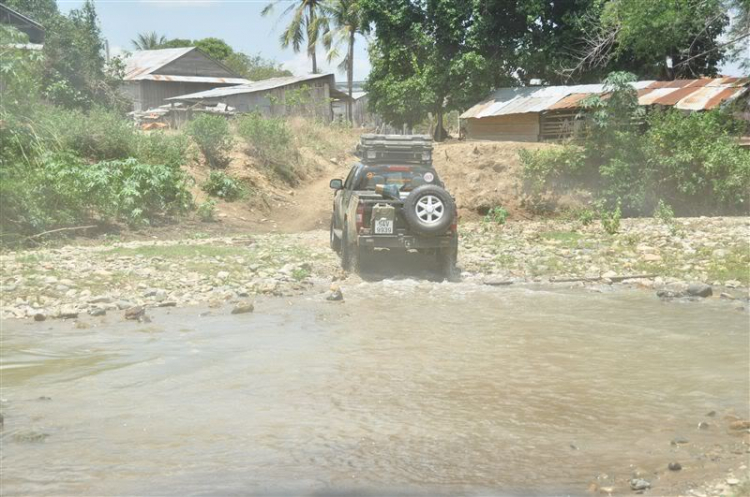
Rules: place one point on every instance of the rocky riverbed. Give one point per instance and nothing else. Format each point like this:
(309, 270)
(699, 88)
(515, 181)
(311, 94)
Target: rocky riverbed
(689, 257)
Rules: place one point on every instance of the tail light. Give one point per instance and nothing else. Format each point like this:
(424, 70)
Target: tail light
(360, 220)
(454, 223)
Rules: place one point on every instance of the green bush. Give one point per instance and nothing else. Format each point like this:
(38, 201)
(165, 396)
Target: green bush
(223, 186)
(611, 220)
(59, 189)
(496, 215)
(159, 147)
(542, 167)
(692, 161)
(212, 135)
(269, 139)
(100, 134)
(206, 210)
(698, 159)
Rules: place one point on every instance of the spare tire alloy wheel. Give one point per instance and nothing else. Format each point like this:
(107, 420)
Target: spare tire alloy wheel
(429, 210)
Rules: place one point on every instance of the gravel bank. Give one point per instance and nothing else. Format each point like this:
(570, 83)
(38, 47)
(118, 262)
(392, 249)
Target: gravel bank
(66, 281)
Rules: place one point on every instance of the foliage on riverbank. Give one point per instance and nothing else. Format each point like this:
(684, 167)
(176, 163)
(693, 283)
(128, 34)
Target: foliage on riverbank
(692, 162)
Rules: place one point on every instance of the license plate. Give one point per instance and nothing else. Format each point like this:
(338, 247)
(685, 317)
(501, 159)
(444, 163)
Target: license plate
(383, 226)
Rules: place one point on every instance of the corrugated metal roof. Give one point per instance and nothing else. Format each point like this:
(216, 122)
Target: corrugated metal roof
(192, 79)
(687, 94)
(266, 84)
(145, 62)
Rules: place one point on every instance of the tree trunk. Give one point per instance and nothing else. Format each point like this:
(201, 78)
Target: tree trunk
(311, 44)
(439, 129)
(350, 77)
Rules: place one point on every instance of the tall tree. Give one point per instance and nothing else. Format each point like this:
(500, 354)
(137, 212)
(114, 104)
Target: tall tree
(255, 67)
(647, 37)
(149, 41)
(437, 55)
(307, 22)
(347, 21)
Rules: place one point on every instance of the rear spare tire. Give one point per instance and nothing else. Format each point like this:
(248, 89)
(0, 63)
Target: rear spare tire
(429, 210)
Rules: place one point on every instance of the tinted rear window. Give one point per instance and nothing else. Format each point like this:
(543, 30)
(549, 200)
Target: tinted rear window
(406, 177)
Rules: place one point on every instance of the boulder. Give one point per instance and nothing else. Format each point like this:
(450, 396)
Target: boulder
(243, 308)
(699, 290)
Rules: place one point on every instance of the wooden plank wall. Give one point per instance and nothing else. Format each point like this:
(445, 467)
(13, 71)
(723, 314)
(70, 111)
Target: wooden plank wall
(513, 127)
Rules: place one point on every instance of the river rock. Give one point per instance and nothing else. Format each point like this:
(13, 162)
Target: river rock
(137, 312)
(100, 299)
(669, 294)
(699, 290)
(243, 308)
(741, 424)
(733, 481)
(497, 281)
(674, 466)
(639, 484)
(97, 311)
(732, 284)
(67, 312)
(679, 441)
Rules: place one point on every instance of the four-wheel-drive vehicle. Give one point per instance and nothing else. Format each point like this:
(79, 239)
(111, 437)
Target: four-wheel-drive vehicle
(393, 199)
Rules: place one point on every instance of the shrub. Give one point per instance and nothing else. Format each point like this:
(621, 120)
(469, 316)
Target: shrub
(269, 139)
(211, 134)
(59, 189)
(100, 134)
(496, 215)
(159, 147)
(693, 161)
(611, 220)
(223, 186)
(206, 211)
(543, 166)
(698, 159)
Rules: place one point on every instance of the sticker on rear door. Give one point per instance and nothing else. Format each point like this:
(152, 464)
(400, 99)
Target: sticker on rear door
(429, 177)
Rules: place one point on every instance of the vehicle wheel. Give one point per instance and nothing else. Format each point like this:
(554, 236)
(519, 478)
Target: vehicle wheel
(335, 242)
(447, 259)
(349, 254)
(429, 210)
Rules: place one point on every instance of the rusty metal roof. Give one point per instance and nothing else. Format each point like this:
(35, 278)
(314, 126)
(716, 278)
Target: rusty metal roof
(193, 79)
(144, 62)
(253, 87)
(686, 94)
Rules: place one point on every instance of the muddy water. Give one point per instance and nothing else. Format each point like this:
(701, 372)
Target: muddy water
(406, 387)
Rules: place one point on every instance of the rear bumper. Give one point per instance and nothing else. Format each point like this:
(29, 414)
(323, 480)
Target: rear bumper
(406, 242)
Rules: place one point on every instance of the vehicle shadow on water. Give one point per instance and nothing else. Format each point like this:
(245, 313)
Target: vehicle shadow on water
(385, 265)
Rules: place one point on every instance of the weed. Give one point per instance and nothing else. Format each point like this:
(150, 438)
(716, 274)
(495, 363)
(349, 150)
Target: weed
(300, 274)
(611, 220)
(206, 211)
(496, 215)
(211, 134)
(222, 185)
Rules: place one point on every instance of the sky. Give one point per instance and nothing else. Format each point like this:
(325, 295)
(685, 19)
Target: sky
(238, 22)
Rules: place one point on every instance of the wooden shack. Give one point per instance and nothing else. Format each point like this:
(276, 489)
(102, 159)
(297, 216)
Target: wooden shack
(153, 76)
(309, 96)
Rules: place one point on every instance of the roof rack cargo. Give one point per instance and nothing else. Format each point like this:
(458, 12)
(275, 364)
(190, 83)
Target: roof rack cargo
(415, 149)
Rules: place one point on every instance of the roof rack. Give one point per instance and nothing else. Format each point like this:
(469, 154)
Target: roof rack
(415, 149)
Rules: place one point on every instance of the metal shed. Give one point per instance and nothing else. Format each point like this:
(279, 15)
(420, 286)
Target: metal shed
(553, 112)
(153, 76)
(309, 95)
(24, 24)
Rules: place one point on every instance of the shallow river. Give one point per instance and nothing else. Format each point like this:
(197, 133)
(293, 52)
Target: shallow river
(410, 387)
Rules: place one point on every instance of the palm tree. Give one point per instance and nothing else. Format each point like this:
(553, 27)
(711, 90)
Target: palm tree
(306, 21)
(148, 41)
(346, 17)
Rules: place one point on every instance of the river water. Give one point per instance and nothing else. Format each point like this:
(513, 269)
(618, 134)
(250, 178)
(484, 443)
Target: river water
(410, 387)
